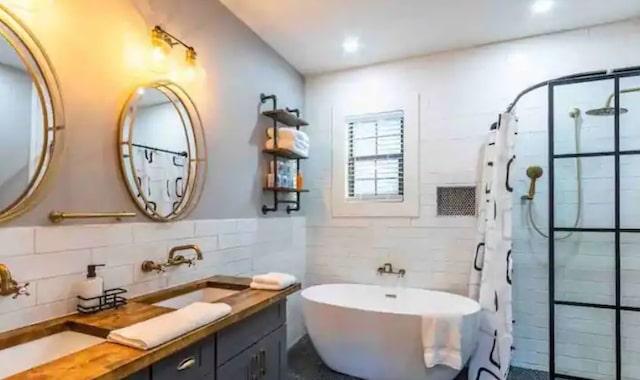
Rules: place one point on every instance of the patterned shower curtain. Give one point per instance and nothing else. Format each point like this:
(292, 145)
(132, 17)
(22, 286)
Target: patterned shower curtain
(490, 282)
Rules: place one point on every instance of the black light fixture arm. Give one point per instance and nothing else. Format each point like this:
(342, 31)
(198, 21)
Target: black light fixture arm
(172, 40)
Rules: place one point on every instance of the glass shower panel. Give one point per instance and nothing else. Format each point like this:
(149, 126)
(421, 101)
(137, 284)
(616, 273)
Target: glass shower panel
(629, 269)
(630, 191)
(630, 345)
(585, 342)
(585, 260)
(584, 192)
(630, 113)
(578, 126)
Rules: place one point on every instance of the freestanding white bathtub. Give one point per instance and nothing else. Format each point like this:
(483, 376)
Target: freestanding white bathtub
(374, 332)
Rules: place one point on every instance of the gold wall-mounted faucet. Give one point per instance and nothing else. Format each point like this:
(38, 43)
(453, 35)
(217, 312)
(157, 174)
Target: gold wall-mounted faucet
(9, 286)
(174, 260)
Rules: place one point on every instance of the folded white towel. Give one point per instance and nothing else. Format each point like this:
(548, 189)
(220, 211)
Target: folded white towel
(275, 278)
(156, 331)
(291, 133)
(295, 140)
(261, 286)
(441, 340)
(272, 281)
(288, 144)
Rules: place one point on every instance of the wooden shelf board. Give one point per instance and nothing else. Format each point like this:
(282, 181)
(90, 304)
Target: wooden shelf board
(284, 153)
(285, 190)
(286, 118)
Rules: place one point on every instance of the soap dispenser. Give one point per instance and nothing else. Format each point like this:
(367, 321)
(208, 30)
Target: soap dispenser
(92, 287)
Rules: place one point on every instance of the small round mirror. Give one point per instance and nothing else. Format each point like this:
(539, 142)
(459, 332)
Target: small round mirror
(31, 123)
(162, 150)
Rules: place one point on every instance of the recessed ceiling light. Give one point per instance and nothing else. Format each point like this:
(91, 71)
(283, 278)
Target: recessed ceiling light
(351, 45)
(542, 6)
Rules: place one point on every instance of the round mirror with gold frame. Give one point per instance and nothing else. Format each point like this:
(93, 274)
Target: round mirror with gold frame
(32, 117)
(162, 151)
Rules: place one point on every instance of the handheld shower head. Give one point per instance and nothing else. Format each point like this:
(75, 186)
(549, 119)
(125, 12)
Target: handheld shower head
(534, 173)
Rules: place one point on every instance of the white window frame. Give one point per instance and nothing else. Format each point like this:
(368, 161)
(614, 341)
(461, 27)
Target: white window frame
(342, 206)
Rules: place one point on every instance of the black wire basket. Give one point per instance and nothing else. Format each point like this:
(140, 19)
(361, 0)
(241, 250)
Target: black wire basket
(110, 299)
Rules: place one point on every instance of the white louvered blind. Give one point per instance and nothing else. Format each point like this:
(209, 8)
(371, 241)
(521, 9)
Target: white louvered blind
(375, 166)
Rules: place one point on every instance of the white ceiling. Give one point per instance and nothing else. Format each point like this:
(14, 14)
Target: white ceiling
(309, 33)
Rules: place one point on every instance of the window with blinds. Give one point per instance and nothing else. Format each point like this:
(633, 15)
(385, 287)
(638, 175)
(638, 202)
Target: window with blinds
(375, 157)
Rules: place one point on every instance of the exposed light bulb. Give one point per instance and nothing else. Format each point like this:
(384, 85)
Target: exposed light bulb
(542, 6)
(190, 70)
(140, 91)
(158, 55)
(160, 50)
(190, 73)
(351, 45)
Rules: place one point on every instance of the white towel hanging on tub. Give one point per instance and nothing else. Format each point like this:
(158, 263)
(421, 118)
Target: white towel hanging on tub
(442, 340)
(490, 282)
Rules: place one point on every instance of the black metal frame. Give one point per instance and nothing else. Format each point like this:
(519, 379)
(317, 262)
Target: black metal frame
(615, 76)
(274, 158)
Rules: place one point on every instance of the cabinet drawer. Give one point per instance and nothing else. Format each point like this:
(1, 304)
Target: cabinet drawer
(192, 363)
(265, 360)
(237, 337)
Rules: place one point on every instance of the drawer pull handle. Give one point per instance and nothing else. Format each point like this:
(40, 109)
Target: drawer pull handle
(263, 363)
(186, 363)
(254, 364)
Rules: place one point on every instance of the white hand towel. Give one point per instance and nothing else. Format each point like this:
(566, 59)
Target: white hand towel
(261, 286)
(289, 145)
(441, 340)
(159, 330)
(289, 133)
(275, 278)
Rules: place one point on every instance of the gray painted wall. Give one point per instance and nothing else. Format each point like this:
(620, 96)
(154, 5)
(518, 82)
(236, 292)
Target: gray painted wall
(96, 48)
(15, 132)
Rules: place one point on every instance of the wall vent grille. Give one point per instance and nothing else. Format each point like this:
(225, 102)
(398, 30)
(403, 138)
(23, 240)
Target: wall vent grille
(456, 200)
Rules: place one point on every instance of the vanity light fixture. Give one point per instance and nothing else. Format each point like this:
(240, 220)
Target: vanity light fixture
(192, 64)
(162, 42)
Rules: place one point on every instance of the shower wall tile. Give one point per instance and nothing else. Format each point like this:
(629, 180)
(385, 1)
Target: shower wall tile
(462, 93)
(54, 260)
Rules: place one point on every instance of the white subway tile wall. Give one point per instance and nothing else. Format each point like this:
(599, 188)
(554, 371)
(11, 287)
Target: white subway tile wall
(462, 93)
(54, 260)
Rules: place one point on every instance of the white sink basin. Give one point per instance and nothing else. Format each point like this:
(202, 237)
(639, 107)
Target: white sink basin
(201, 295)
(32, 354)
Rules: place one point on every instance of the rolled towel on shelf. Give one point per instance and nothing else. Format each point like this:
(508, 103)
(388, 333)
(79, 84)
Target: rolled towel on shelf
(289, 140)
(159, 330)
(291, 133)
(289, 145)
(442, 340)
(272, 281)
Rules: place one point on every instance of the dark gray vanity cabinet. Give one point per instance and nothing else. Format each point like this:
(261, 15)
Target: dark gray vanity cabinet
(265, 360)
(252, 349)
(192, 363)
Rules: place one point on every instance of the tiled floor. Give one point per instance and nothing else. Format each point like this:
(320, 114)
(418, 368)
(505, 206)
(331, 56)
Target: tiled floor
(305, 364)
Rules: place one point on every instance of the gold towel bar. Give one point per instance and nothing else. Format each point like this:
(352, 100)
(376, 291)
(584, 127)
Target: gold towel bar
(59, 216)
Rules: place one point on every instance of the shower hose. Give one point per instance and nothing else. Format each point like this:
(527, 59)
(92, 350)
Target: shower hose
(576, 133)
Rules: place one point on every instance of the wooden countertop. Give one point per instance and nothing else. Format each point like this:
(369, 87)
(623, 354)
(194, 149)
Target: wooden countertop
(107, 361)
